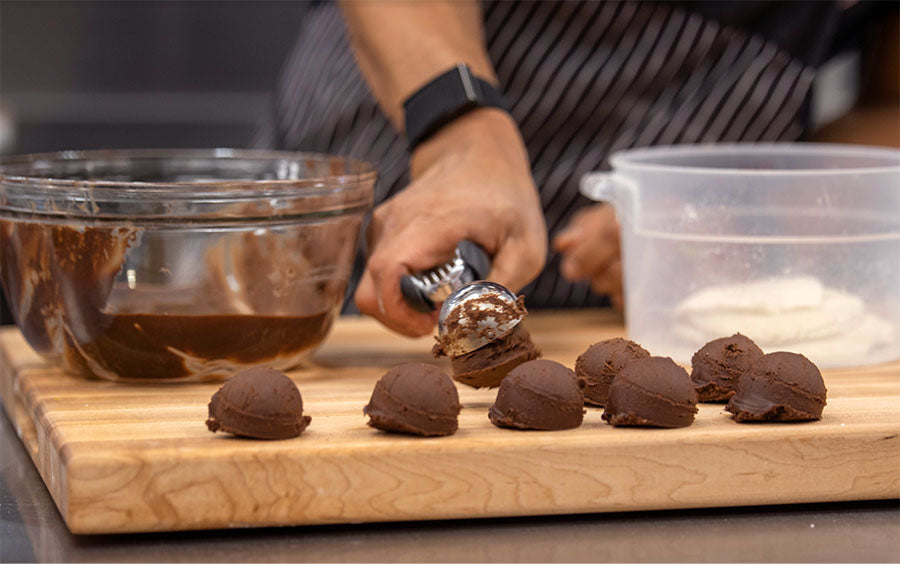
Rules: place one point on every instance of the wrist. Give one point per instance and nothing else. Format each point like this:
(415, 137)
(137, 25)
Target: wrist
(482, 133)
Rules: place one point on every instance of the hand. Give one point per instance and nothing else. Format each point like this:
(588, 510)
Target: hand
(590, 249)
(471, 181)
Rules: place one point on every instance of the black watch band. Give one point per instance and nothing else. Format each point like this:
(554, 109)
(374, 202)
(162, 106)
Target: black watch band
(444, 99)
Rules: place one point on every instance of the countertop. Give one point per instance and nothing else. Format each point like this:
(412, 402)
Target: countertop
(32, 530)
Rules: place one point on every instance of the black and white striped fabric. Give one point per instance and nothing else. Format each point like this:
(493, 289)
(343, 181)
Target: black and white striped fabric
(583, 79)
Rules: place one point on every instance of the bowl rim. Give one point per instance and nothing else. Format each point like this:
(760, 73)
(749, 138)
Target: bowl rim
(227, 189)
(628, 159)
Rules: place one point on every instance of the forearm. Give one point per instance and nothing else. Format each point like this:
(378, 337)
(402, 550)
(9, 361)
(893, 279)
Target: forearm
(400, 46)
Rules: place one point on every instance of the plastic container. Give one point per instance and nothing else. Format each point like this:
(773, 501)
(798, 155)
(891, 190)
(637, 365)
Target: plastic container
(152, 265)
(795, 245)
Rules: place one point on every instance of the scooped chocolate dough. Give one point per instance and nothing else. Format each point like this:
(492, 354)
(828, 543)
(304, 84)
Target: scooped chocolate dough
(539, 394)
(486, 366)
(259, 403)
(652, 392)
(601, 362)
(780, 386)
(414, 398)
(719, 364)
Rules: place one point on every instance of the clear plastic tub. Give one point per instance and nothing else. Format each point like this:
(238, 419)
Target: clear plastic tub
(795, 245)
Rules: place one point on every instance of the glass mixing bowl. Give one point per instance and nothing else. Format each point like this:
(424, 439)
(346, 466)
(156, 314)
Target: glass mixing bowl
(178, 265)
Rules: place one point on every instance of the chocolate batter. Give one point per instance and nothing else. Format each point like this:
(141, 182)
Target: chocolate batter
(487, 366)
(781, 386)
(651, 392)
(61, 282)
(541, 395)
(600, 363)
(719, 364)
(414, 398)
(147, 347)
(258, 403)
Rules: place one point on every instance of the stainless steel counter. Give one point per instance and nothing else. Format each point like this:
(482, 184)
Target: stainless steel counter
(31, 530)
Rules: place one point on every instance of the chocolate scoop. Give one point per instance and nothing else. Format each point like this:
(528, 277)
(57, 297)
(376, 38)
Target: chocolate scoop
(476, 314)
(719, 364)
(601, 362)
(260, 403)
(781, 386)
(539, 394)
(489, 316)
(414, 398)
(651, 392)
(488, 366)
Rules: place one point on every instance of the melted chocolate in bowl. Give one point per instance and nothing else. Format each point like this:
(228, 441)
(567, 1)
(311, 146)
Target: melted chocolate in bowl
(199, 291)
(62, 286)
(142, 347)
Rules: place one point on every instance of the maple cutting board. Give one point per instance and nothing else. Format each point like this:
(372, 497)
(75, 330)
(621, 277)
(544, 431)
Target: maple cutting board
(128, 457)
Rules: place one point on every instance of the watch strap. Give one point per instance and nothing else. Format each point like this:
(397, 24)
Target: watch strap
(444, 99)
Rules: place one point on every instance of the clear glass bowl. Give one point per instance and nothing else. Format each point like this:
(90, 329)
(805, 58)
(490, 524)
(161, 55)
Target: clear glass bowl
(178, 265)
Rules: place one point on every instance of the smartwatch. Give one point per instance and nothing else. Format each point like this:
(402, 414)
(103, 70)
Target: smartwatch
(444, 99)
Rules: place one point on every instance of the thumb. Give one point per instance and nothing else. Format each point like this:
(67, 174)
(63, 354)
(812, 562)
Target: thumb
(515, 265)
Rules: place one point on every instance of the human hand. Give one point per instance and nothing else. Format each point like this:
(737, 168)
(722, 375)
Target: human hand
(471, 181)
(590, 251)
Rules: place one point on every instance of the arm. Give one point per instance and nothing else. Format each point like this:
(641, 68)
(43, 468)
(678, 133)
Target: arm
(400, 46)
(875, 120)
(471, 180)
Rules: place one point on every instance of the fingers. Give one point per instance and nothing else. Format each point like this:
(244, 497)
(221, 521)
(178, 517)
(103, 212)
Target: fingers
(517, 263)
(589, 244)
(566, 239)
(609, 282)
(415, 248)
(377, 297)
(618, 302)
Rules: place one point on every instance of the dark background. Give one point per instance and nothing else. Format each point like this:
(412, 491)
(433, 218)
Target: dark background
(80, 75)
(88, 75)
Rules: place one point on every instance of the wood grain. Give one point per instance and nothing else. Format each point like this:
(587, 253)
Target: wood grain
(129, 457)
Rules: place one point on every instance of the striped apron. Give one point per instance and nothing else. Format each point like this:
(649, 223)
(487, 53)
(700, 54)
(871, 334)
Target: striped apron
(582, 79)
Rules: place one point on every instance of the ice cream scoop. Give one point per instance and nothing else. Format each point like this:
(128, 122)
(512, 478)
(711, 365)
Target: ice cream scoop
(475, 315)
(423, 290)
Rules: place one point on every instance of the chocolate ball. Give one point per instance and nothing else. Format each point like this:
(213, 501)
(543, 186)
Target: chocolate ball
(539, 394)
(487, 366)
(414, 398)
(719, 364)
(781, 386)
(651, 392)
(260, 403)
(601, 362)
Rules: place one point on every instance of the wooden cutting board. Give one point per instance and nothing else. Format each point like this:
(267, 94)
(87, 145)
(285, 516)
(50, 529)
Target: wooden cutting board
(126, 457)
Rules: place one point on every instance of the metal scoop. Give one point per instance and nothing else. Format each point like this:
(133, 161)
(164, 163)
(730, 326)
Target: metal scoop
(487, 328)
(422, 291)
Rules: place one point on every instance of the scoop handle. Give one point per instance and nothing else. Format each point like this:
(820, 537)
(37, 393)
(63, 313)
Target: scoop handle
(414, 297)
(478, 262)
(477, 266)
